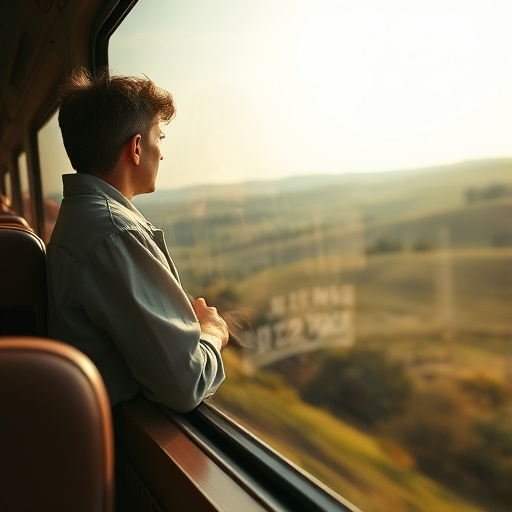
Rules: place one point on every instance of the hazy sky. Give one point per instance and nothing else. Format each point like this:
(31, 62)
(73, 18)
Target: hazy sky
(271, 88)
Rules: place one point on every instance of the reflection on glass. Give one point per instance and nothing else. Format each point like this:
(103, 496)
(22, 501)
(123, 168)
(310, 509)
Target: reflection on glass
(54, 163)
(378, 351)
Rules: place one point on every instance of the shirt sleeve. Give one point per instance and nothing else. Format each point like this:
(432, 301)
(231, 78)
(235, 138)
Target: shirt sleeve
(130, 292)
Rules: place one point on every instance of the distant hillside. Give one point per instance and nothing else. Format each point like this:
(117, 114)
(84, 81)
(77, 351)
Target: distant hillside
(351, 185)
(480, 225)
(416, 202)
(243, 228)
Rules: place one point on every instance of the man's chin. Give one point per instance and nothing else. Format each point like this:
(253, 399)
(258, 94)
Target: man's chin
(148, 191)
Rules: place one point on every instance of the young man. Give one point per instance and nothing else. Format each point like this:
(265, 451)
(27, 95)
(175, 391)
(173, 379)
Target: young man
(113, 290)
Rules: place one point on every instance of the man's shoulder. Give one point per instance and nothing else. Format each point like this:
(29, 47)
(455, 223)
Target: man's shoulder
(85, 221)
(94, 203)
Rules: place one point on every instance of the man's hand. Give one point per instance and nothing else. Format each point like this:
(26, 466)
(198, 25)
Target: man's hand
(210, 321)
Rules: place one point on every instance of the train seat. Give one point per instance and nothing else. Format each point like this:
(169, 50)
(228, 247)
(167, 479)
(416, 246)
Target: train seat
(22, 282)
(9, 218)
(56, 434)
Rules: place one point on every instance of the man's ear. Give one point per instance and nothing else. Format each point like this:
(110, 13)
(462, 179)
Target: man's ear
(134, 146)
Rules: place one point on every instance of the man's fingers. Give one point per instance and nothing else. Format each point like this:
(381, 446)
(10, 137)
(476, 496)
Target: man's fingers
(200, 304)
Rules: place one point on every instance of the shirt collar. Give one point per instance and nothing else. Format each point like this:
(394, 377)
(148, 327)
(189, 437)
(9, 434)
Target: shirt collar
(81, 183)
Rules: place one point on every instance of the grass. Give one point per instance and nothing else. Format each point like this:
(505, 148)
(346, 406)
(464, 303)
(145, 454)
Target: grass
(361, 468)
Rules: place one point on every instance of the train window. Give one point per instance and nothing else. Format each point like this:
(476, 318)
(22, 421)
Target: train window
(6, 186)
(341, 173)
(54, 163)
(22, 170)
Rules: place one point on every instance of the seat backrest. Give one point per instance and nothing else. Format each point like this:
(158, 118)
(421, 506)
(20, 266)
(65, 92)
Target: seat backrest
(9, 218)
(56, 440)
(22, 282)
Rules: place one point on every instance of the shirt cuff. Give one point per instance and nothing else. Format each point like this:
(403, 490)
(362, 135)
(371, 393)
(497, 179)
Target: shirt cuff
(212, 340)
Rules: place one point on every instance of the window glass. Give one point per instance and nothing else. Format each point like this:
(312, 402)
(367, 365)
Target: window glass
(54, 163)
(6, 191)
(339, 174)
(25, 186)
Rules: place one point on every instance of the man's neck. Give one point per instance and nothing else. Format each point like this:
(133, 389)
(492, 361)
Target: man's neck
(119, 179)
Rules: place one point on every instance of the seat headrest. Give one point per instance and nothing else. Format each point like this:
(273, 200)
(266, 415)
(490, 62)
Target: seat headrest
(56, 429)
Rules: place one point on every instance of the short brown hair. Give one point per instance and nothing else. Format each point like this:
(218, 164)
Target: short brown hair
(98, 115)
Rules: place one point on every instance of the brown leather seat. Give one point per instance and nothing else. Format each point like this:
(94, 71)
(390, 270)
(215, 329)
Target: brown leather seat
(22, 282)
(9, 218)
(56, 441)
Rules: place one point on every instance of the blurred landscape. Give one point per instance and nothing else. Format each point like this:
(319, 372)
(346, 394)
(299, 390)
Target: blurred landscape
(244, 228)
(416, 413)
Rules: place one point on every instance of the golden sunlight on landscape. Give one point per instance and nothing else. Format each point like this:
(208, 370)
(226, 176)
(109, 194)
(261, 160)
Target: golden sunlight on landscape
(341, 173)
(378, 350)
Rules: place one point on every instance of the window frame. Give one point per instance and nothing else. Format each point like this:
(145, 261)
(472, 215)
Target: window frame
(215, 464)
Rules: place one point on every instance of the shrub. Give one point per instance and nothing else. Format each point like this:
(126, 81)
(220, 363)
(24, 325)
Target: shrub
(366, 384)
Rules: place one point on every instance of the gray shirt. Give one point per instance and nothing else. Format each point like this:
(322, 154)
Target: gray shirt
(114, 293)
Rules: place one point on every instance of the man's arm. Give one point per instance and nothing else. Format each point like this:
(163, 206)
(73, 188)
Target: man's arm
(132, 295)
